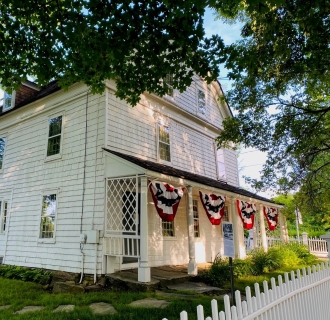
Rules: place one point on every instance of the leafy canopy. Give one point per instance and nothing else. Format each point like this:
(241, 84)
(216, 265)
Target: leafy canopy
(281, 89)
(136, 43)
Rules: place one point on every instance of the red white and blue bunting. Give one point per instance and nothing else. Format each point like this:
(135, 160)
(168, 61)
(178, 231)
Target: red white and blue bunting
(246, 211)
(271, 215)
(214, 206)
(166, 199)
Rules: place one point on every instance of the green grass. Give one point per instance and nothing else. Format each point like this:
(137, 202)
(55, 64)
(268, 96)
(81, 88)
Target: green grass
(19, 294)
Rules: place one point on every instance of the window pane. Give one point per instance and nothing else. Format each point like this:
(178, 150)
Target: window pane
(55, 126)
(7, 101)
(2, 150)
(169, 83)
(54, 145)
(201, 102)
(168, 229)
(48, 214)
(164, 134)
(164, 151)
(196, 218)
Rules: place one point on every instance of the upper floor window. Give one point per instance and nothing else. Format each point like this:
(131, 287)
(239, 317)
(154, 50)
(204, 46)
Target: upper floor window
(201, 101)
(4, 215)
(221, 169)
(164, 147)
(48, 215)
(54, 136)
(2, 150)
(7, 100)
(168, 81)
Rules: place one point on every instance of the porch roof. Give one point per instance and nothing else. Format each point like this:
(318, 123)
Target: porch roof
(164, 169)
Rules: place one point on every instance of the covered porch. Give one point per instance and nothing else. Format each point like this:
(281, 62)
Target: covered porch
(136, 236)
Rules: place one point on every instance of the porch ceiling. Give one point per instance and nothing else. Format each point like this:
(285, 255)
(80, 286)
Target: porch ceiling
(167, 170)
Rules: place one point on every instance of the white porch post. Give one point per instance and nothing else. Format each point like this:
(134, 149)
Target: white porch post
(144, 269)
(239, 244)
(283, 228)
(264, 242)
(192, 266)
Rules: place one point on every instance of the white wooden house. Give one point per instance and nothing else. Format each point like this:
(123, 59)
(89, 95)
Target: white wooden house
(75, 175)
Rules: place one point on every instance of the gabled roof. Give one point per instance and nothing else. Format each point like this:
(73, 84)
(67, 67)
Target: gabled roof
(164, 169)
(43, 92)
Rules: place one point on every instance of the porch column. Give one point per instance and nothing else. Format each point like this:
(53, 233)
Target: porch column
(192, 266)
(264, 242)
(239, 244)
(283, 228)
(144, 269)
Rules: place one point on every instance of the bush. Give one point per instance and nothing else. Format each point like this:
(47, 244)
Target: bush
(242, 268)
(302, 252)
(20, 273)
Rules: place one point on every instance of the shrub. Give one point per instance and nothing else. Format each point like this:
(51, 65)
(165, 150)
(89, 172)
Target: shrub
(20, 273)
(302, 252)
(242, 267)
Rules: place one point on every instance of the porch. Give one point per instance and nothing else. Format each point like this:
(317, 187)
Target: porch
(136, 237)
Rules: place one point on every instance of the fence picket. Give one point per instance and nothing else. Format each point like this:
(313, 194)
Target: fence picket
(200, 312)
(233, 313)
(239, 310)
(248, 299)
(227, 307)
(222, 315)
(214, 307)
(184, 315)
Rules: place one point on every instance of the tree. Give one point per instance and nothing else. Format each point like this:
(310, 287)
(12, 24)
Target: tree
(136, 43)
(281, 89)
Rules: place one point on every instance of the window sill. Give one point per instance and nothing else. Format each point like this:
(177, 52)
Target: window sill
(169, 238)
(53, 158)
(41, 240)
(168, 163)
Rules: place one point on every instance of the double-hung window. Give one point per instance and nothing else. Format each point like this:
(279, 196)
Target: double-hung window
(4, 215)
(164, 146)
(2, 150)
(196, 218)
(221, 168)
(168, 84)
(48, 216)
(201, 102)
(54, 136)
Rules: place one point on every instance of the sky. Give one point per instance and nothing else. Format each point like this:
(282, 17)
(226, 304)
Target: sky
(250, 161)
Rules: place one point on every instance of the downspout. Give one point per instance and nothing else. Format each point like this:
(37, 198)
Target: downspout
(83, 237)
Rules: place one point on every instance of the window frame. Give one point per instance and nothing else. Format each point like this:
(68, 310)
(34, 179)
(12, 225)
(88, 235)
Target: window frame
(4, 226)
(12, 104)
(173, 229)
(196, 219)
(42, 195)
(219, 177)
(158, 124)
(3, 135)
(57, 155)
(168, 81)
(199, 112)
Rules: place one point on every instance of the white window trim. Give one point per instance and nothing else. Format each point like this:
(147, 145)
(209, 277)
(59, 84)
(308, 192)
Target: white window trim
(13, 98)
(2, 211)
(198, 113)
(168, 237)
(59, 155)
(45, 193)
(216, 164)
(157, 143)
(4, 135)
(199, 219)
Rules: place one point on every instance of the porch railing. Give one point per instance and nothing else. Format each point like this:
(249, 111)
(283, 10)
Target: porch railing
(122, 245)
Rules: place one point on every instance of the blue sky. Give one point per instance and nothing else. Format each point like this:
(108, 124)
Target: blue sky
(250, 161)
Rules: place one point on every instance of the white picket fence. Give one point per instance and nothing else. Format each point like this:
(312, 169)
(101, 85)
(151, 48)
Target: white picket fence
(302, 296)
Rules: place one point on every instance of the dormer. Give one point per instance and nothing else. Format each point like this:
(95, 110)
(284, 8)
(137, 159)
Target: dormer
(8, 101)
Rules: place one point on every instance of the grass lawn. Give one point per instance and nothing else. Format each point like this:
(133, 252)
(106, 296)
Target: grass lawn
(19, 294)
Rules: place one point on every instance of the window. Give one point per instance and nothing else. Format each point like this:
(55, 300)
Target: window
(168, 229)
(7, 100)
(54, 136)
(196, 219)
(2, 150)
(48, 215)
(168, 84)
(4, 215)
(221, 169)
(226, 215)
(164, 148)
(201, 101)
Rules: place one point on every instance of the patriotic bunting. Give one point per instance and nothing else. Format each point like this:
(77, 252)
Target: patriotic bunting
(166, 199)
(214, 206)
(271, 215)
(246, 211)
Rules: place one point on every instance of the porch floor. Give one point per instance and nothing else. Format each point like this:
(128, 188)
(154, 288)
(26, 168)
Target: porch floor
(161, 277)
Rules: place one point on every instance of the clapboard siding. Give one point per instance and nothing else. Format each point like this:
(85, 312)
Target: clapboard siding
(28, 174)
(134, 130)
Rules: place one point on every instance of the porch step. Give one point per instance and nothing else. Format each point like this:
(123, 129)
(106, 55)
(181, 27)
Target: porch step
(161, 277)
